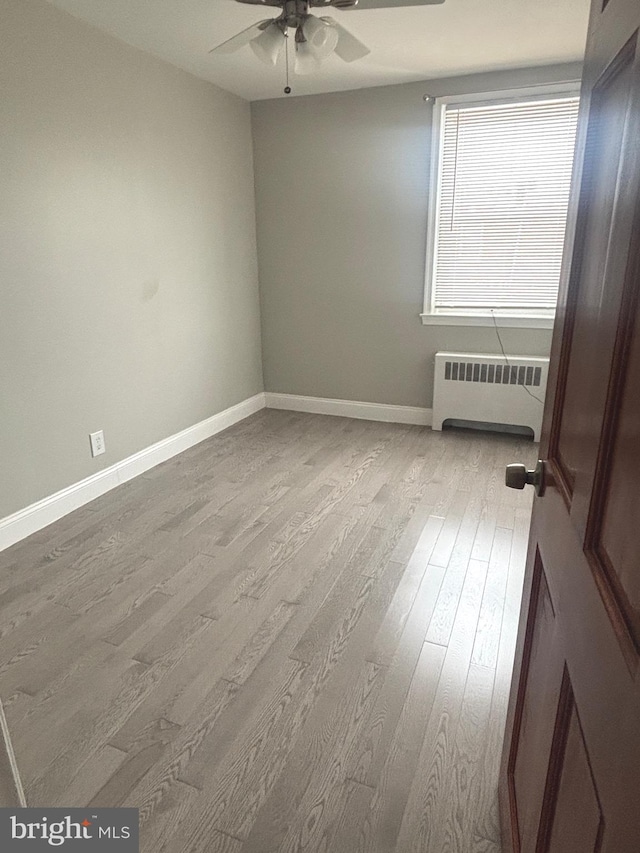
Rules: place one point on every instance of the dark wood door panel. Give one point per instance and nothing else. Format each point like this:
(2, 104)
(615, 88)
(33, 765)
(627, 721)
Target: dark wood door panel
(616, 515)
(622, 506)
(586, 360)
(573, 821)
(612, 538)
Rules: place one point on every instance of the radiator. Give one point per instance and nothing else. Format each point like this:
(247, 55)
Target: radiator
(487, 389)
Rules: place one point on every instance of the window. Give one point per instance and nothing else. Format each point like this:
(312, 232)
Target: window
(502, 172)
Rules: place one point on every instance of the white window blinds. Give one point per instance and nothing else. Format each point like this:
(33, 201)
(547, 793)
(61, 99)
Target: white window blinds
(504, 177)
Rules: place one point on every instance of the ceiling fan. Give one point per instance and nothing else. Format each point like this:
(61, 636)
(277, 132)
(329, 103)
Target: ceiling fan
(316, 38)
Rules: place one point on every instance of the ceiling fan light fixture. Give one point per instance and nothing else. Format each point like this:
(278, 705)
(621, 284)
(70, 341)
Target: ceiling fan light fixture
(268, 45)
(306, 60)
(321, 37)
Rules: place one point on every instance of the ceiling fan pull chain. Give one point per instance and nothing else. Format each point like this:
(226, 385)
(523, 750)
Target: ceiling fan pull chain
(287, 88)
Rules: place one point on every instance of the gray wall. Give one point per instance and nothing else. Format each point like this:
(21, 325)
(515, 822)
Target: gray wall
(128, 277)
(341, 201)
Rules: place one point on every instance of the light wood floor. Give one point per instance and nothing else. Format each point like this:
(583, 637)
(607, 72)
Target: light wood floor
(296, 636)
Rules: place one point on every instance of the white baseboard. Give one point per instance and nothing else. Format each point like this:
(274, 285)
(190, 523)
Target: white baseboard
(350, 409)
(26, 521)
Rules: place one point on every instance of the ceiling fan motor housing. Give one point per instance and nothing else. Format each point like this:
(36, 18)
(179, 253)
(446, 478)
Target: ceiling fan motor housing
(294, 12)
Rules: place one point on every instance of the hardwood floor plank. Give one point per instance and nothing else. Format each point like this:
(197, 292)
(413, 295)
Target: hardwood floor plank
(286, 547)
(421, 512)
(320, 804)
(245, 663)
(460, 817)
(485, 533)
(91, 779)
(182, 689)
(91, 730)
(319, 736)
(251, 732)
(347, 644)
(348, 820)
(244, 776)
(159, 833)
(350, 590)
(148, 790)
(393, 625)
(483, 845)
(136, 619)
(457, 565)
(381, 725)
(310, 577)
(446, 540)
(393, 779)
(485, 650)
(429, 794)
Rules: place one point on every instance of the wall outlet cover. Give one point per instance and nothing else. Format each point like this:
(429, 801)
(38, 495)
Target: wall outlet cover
(97, 442)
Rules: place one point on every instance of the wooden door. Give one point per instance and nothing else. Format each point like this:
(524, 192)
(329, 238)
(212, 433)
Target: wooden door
(570, 780)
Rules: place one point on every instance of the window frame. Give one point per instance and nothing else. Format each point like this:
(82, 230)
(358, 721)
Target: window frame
(464, 317)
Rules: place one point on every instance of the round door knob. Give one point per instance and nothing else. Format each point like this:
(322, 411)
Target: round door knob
(517, 476)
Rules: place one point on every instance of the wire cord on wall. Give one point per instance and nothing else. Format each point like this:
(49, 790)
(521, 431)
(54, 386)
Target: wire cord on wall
(506, 358)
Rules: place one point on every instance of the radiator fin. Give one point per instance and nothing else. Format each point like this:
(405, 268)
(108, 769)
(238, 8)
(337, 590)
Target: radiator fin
(498, 374)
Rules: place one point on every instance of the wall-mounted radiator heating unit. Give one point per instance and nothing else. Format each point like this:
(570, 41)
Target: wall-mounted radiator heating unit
(488, 389)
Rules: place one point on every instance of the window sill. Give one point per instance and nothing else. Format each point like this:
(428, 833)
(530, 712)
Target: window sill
(504, 321)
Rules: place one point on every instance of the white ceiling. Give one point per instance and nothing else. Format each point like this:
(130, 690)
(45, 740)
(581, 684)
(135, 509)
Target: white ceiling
(416, 43)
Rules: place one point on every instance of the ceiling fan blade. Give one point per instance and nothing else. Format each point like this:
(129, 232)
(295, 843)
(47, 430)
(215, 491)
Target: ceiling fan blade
(346, 5)
(349, 48)
(242, 38)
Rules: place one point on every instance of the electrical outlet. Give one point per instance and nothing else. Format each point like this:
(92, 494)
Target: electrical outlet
(97, 442)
